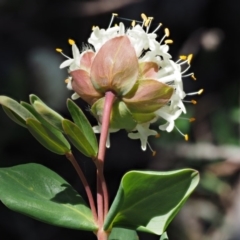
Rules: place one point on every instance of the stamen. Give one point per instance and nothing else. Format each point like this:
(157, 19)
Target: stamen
(168, 41)
(189, 119)
(59, 50)
(115, 25)
(196, 93)
(111, 21)
(147, 22)
(184, 135)
(157, 135)
(144, 17)
(189, 58)
(167, 32)
(93, 27)
(157, 28)
(67, 80)
(153, 152)
(71, 42)
(133, 23)
(192, 101)
(193, 77)
(183, 57)
(188, 75)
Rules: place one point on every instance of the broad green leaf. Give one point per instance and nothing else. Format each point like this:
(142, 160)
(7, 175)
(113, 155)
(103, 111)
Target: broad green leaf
(82, 122)
(148, 201)
(15, 111)
(48, 114)
(56, 132)
(78, 139)
(38, 192)
(123, 234)
(164, 236)
(47, 138)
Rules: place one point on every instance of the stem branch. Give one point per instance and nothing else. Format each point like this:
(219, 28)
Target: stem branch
(80, 173)
(102, 193)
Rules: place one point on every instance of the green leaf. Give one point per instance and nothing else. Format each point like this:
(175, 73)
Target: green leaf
(56, 132)
(33, 98)
(123, 234)
(48, 114)
(47, 138)
(40, 193)
(78, 139)
(148, 201)
(82, 122)
(164, 236)
(15, 111)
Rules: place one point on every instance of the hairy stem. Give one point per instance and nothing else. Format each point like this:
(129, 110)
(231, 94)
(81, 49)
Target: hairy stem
(102, 193)
(81, 175)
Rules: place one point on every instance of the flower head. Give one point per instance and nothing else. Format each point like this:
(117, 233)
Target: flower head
(138, 69)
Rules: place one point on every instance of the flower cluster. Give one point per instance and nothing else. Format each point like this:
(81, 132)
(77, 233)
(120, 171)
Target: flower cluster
(138, 70)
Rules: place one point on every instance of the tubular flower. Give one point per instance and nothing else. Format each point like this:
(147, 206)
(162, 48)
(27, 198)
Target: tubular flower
(137, 69)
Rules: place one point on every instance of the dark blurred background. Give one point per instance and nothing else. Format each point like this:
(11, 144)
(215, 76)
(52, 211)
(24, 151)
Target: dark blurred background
(30, 30)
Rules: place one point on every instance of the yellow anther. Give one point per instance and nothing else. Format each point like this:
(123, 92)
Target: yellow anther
(189, 58)
(133, 23)
(193, 77)
(192, 119)
(144, 17)
(167, 32)
(200, 91)
(157, 135)
(194, 102)
(186, 137)
(115, 25)
(71, 42)
(183, 57)
(67, 80)
(154, 153)
(58, 49)
(168, 41)
(93, 27)
(147, 22)
(114, 14)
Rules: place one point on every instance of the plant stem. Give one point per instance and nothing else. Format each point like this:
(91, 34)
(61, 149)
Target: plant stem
(80, 173)
(102, 193)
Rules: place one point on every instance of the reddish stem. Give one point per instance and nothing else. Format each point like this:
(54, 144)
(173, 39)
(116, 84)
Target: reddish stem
(80, 173)
(102, 193)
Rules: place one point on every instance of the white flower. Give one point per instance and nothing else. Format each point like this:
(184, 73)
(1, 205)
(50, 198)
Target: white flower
(143, 132)
(72, 63)
(170, 116)
(97, 129)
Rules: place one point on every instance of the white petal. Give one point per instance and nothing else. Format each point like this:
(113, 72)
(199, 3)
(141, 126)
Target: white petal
(75, 96)
(75, 51)
(66, 63)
